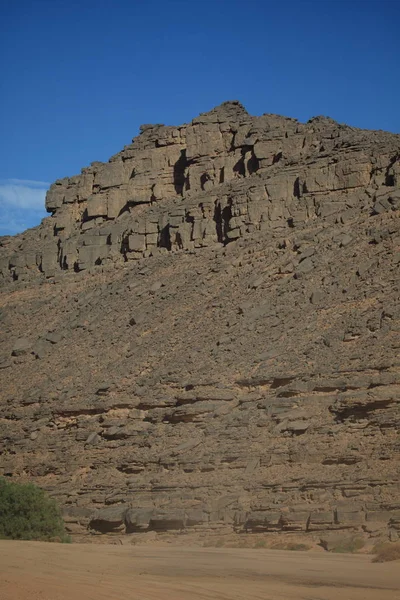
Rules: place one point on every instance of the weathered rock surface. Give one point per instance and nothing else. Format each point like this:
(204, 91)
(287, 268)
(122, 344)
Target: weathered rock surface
(204, 334)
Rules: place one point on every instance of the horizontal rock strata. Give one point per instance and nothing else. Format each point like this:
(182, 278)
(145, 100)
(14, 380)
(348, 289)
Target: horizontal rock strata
(204, 334)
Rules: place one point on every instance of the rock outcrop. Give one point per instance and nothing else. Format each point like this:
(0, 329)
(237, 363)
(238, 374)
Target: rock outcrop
(204, 334)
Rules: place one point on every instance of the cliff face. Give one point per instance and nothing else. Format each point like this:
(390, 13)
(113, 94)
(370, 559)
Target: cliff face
(205, 332)
(223, 176)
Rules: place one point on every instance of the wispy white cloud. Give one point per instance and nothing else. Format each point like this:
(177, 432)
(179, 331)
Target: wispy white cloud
(29, 182)
(21, 204)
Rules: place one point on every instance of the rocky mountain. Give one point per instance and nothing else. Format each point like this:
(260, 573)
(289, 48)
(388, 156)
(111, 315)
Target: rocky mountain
(204, 334)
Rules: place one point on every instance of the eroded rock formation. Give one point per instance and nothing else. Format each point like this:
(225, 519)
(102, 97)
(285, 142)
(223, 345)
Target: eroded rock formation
(204, 334)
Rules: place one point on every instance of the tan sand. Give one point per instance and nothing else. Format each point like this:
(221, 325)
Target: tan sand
(39, 571)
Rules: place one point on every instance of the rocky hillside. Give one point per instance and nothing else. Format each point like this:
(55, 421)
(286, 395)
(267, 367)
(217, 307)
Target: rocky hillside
(204, 334)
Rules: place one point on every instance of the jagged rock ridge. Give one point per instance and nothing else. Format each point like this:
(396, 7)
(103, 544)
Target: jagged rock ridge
(204, 335)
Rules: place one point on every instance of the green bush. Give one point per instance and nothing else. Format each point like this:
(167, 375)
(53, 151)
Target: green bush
(26, 513)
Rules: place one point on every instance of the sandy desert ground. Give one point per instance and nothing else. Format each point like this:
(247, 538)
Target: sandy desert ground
(39, 571)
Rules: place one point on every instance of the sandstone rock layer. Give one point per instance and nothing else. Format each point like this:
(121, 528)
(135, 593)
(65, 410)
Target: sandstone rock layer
(204, 334)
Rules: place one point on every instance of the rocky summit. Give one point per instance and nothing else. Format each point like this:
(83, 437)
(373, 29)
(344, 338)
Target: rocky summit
(204, 334)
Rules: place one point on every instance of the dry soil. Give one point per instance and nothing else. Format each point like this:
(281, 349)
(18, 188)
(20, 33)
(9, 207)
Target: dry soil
(40, 571)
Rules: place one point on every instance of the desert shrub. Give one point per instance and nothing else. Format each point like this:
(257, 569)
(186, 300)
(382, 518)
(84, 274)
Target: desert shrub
(349, 545)
(27, 513)
(386, 552)
(214, 543)
(295, 546)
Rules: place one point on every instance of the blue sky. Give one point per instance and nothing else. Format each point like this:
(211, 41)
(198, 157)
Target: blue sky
(78, 77)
